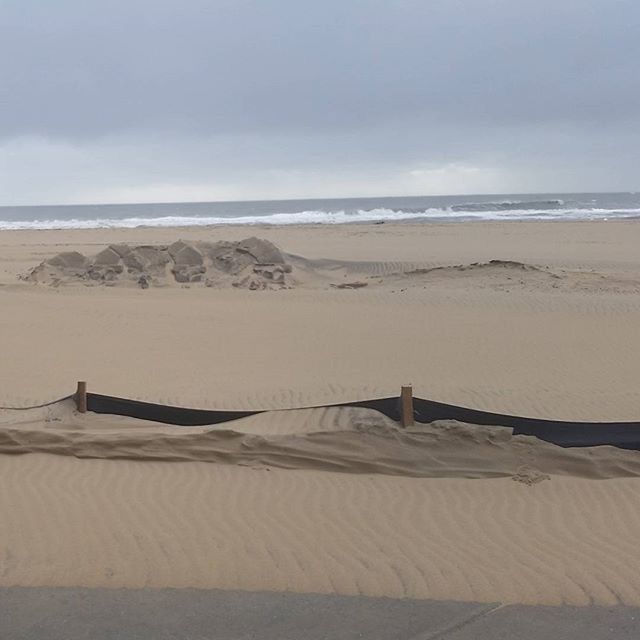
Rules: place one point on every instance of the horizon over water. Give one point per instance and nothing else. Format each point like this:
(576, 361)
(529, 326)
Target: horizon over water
(554, 206)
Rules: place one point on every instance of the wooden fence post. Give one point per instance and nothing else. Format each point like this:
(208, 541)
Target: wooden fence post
(81, 397)
(406, 406)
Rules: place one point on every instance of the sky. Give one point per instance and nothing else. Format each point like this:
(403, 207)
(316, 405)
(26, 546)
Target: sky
(193, 100)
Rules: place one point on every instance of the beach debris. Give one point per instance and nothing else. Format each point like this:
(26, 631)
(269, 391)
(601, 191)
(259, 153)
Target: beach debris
(252, 263)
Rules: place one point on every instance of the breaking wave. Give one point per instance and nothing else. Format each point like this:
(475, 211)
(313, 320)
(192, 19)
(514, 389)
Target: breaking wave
(482, 211)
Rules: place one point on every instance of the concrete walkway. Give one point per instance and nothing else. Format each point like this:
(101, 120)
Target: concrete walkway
(189, 614)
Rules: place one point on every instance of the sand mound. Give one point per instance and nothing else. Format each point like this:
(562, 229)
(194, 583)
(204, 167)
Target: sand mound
(496, 275)
(256, 264)
(510, 275)
(252, 263)
(492, 265)
(345, 439)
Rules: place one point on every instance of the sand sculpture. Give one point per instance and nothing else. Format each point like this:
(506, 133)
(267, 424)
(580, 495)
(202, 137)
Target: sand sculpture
(252, 263)
(257, 264)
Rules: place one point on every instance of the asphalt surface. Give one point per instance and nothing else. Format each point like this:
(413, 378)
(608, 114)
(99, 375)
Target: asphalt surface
(187, 614)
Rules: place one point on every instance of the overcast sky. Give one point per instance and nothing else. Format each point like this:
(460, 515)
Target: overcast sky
(158, 100)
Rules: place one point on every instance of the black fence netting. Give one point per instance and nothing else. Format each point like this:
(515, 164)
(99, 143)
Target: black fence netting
(625, 435)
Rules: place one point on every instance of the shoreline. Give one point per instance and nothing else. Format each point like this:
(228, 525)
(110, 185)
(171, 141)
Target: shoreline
(572, 243)
(314, 225)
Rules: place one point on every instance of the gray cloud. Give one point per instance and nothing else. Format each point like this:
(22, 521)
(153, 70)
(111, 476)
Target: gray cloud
(536, 94)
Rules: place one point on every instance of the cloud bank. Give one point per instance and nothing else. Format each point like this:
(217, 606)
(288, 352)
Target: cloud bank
(241, 99)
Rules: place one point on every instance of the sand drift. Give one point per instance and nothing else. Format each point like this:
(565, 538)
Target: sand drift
(344, 439)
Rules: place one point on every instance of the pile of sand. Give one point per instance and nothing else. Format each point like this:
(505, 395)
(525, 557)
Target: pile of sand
(255, 264)
(511, 275)
(252, 263)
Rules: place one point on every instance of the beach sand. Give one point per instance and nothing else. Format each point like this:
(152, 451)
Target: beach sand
(291, 500)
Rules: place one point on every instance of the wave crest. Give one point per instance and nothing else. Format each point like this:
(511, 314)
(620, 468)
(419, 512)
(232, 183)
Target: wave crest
(532, 210)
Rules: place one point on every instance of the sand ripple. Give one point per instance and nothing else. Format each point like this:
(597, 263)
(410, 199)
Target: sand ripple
(152, 524)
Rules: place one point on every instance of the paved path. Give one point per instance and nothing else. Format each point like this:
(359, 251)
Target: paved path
(188, 614)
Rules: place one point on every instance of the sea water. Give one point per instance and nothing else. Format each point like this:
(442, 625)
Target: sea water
(573, 206)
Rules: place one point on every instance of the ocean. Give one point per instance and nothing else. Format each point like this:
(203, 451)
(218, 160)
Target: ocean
(571, 206)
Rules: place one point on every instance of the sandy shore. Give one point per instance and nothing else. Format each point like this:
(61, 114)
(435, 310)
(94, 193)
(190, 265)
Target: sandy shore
(156, 524)
(507, 346)
(553, 335)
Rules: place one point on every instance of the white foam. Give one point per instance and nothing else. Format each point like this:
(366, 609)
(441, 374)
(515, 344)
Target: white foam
(323, 217)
